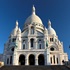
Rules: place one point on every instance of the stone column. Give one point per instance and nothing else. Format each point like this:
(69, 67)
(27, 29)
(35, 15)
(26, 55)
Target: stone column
(45, 43)
(36, 60)
(28, 44)
(28, 30)
(55, 59)
(48, 56)
(14, 59)
(26, 60)
(9, 60)
(45, 60)
(35, 44)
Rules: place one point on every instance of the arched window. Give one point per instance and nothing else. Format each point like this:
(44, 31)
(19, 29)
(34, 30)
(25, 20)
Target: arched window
(10, 59)
(14, 39)
(40, 46)
(57, 60)
(51, 39)
(54, 59)
(12, 49)
(32, 42)
(7, 60)
(32, 30)
(51, 59)
(23, 44)
(39, 42)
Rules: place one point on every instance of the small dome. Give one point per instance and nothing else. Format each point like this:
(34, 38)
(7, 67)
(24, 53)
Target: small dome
(33, 18)
(46, 31)
(51, 31)
(14, 31)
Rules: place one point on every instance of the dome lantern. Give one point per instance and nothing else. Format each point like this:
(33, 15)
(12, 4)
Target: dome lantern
(33, 10)
(49, 23)
(14, 31)
(16, 23)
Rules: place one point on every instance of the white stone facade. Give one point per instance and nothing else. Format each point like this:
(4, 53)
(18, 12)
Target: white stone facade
(34, 45)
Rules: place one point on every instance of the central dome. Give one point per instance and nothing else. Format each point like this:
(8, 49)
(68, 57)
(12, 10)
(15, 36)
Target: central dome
(33, 18)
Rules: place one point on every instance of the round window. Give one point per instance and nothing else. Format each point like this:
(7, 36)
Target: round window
(52, 49)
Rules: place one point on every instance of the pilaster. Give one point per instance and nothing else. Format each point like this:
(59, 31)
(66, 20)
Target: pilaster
(26, 61)
(36, 60)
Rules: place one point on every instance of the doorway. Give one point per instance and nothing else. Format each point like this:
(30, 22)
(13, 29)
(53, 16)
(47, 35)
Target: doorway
(41, 59)
(22, 59)
(31, 59)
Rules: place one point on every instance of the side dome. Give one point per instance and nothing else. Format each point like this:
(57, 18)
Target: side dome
(14, 31)
(51, 31)
(33, 18)
(45, 31)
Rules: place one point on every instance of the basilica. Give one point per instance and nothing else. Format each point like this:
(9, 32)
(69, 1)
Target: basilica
(34, 44)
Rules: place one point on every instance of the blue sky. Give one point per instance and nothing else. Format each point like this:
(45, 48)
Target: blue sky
(58, 11)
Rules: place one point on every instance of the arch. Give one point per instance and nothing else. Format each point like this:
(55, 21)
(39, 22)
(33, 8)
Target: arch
(22, 59)
(10, 59)
(31, 59)
(32, 42)
(7, 60)
(12, 49)
(51, 39)
(41, 60)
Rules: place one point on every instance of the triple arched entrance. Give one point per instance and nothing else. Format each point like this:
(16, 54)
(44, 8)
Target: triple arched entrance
(31, 59)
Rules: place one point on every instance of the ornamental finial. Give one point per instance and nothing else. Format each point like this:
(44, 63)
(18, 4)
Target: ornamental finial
(16, 23)
(49, 23)
(33, 10)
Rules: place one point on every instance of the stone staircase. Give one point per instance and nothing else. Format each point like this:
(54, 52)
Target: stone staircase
(53, 67)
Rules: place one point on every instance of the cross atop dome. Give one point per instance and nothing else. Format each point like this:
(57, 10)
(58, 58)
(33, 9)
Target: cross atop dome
(33, 10)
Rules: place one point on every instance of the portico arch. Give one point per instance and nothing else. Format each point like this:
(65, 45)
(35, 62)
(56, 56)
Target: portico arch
(22, 59)
(31, 59)
(41, 60)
